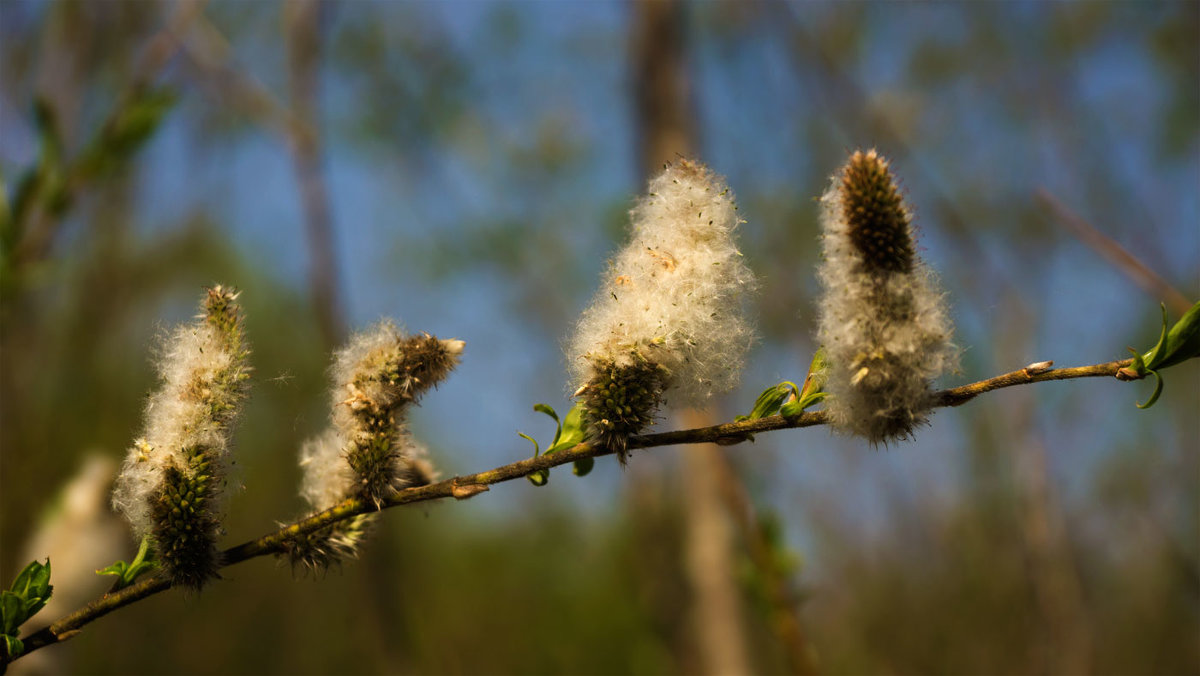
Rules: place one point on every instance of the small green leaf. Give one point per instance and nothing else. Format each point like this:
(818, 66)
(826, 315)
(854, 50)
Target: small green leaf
(817, 374)
(1139, 365)
(572, 431)
(537, 450)
(1177, 345)
(583, 466)
(127, 573)
(33, 581)
(13, 646)
(770, 400)
(549, 410)
(32, 605)
(796, 407)
(1158, 385)
(1154, 355)
(1182, 343)
(117, 568)
(768, 403)
(540, 477)
(20, 586)
(39, 584)
(12, 612)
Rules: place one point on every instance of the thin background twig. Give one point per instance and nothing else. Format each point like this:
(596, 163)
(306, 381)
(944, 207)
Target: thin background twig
(1112, 251)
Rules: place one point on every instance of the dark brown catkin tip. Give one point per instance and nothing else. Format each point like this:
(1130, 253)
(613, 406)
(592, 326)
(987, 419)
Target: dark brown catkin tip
(874, 211)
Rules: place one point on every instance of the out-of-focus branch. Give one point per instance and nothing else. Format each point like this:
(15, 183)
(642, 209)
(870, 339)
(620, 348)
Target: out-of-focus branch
(784, 616)
(297, 125)
(43, 227)
(303, 20)
(167, 42)
(466, 486)
(1112, 251)
(211, 55)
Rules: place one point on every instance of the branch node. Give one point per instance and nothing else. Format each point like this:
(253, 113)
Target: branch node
(464, 492)
(1128, 374)
(1038, 367)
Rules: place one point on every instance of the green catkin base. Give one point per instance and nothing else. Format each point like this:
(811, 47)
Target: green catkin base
(374, 458)
(185, 527)
(621, 401)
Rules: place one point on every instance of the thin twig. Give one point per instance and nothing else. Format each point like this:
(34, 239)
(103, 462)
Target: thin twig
(957, 396)
(1112, 251)
(212, 56)
(463, 487)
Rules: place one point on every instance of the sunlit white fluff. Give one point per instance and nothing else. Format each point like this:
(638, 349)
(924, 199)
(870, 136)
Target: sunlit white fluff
(194, 359)
(674, 294)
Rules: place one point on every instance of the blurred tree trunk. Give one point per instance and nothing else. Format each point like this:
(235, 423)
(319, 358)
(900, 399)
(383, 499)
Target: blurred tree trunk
(303, 21)
(717, 612)
(665, 125)
(666, 131)
(1058, 593)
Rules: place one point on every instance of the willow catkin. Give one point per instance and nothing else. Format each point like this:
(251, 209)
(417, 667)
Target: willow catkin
(668, 320)
(883, 321)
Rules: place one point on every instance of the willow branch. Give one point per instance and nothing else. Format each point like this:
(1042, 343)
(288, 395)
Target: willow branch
(1034, 373)
(463, 487)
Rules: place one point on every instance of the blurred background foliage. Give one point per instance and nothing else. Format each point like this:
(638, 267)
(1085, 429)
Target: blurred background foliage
(466, 168)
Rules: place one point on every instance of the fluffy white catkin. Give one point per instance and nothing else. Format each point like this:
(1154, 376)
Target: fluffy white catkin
(367, 451)
(668, 318)
(169, 487)
(377, 376)
(883, 321)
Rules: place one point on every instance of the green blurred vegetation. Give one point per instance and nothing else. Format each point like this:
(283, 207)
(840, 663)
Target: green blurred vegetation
(1012, 565)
